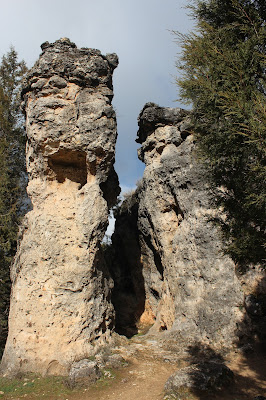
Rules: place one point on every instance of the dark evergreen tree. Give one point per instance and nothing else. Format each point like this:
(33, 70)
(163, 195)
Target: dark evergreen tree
(12, 168)
(223, 75)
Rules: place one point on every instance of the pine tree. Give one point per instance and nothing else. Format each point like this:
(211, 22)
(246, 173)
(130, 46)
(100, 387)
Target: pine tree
(223, 76)
(12, 167)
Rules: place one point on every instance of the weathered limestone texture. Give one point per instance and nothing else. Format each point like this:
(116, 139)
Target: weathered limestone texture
(60, 304)
(190, 287)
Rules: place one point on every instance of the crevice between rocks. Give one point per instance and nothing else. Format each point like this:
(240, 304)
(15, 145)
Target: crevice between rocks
(123, 258)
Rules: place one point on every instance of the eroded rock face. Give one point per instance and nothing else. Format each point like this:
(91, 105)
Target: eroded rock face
(60, 304)
(190, 287)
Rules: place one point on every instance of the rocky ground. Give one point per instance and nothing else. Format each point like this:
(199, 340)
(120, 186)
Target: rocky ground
(142, 367)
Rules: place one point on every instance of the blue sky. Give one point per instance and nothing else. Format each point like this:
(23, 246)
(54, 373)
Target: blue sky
(139, 31)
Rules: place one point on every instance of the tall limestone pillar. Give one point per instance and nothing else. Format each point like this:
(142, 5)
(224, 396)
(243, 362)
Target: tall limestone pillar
(60, 304)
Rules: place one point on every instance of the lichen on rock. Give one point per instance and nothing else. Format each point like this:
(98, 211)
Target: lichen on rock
(60, 305)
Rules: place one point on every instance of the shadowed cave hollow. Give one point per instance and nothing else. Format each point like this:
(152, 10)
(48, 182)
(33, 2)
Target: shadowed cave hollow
(69, 164)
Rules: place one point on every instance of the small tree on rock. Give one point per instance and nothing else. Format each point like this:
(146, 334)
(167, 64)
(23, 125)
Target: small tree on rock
(12, 168)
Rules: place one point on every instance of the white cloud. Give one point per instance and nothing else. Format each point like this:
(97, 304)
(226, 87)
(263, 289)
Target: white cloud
(111, 226)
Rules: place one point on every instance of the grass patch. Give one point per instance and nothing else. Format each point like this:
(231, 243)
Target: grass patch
(41, 387)
(51, 387)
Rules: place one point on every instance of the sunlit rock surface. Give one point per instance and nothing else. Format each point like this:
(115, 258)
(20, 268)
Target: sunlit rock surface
(60, 305)
(189, 287)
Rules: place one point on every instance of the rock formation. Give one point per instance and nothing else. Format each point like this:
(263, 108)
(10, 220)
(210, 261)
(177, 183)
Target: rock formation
(60, 304)
(201, 379)
(188, 285)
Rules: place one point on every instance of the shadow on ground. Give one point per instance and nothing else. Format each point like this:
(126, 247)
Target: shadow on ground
(249, 365)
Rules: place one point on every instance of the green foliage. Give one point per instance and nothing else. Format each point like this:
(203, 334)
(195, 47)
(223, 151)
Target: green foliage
(223, 76)
(12, 166)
